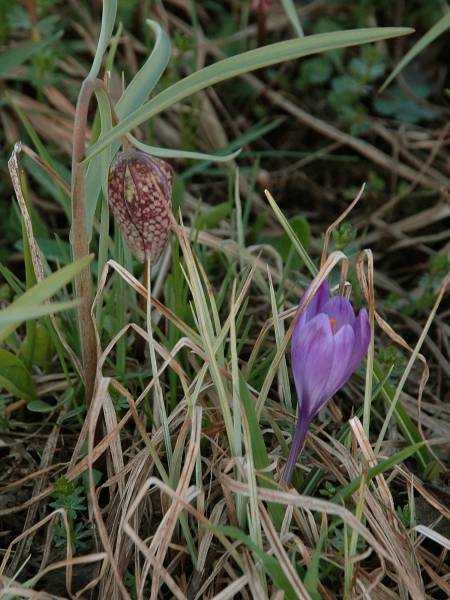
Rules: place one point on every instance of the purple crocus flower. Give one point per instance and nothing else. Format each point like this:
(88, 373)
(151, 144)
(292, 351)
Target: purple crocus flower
(328, 344)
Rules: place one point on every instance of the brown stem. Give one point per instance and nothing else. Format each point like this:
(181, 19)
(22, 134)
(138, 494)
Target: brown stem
(261, 26)
(79, 236)
(33, 16)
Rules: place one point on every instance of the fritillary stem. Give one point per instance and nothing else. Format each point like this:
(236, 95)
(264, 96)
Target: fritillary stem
(79, 237)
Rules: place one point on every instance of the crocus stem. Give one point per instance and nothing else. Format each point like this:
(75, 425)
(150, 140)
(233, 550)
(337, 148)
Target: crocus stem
(79, 236)
(301, 429)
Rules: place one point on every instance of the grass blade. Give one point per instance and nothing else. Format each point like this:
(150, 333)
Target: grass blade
(260, 456)
(17, 314)
(271, 565)
(107, 26)
(42, 291)
(13, 58)
(240, 64)
(345, 492)
(410, 364)
(438, 29)
(291, 11)
(148, 75)
(15, 377)
(169, 153)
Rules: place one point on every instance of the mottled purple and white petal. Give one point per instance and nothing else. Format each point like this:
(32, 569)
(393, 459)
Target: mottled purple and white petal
(139, 190)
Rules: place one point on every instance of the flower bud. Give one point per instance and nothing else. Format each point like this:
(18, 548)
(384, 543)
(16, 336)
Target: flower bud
(140, 190)
(328, 343)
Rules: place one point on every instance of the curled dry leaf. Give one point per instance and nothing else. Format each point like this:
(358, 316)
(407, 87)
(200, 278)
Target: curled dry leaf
(140, 190)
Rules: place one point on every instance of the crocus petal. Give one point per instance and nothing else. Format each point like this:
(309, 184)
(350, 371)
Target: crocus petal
(341, 311)
(319, 299)
(362, 339)
(312, 353)
(340, 371)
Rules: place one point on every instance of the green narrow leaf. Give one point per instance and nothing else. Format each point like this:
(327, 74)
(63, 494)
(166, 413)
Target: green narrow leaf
(113, 44)
(438, 29)
(312, 576)
(50, 285)
(404, 421)
(134, 95)
(316, 474)
(291, 11)
(41, 292)
(39, 349)
(253, 133)
(145, 80)
(14, 57)
(394, 400)
(243, 63)
(40, 406)
(212, 217)
(271, 565)
(17, 314)
(12, 280)
(169, 153)
(30, 279)
(107, 26)
(55, 190)
(97, 173)
(261, 458)
(259, 451)
(102, 250)
(15, 377)
(345, 492)
(301, 251)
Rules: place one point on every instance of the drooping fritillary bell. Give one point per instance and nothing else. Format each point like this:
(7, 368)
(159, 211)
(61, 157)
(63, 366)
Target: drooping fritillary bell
(140, 190)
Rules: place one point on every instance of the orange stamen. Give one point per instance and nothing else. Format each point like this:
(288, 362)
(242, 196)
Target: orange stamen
(332, 322)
